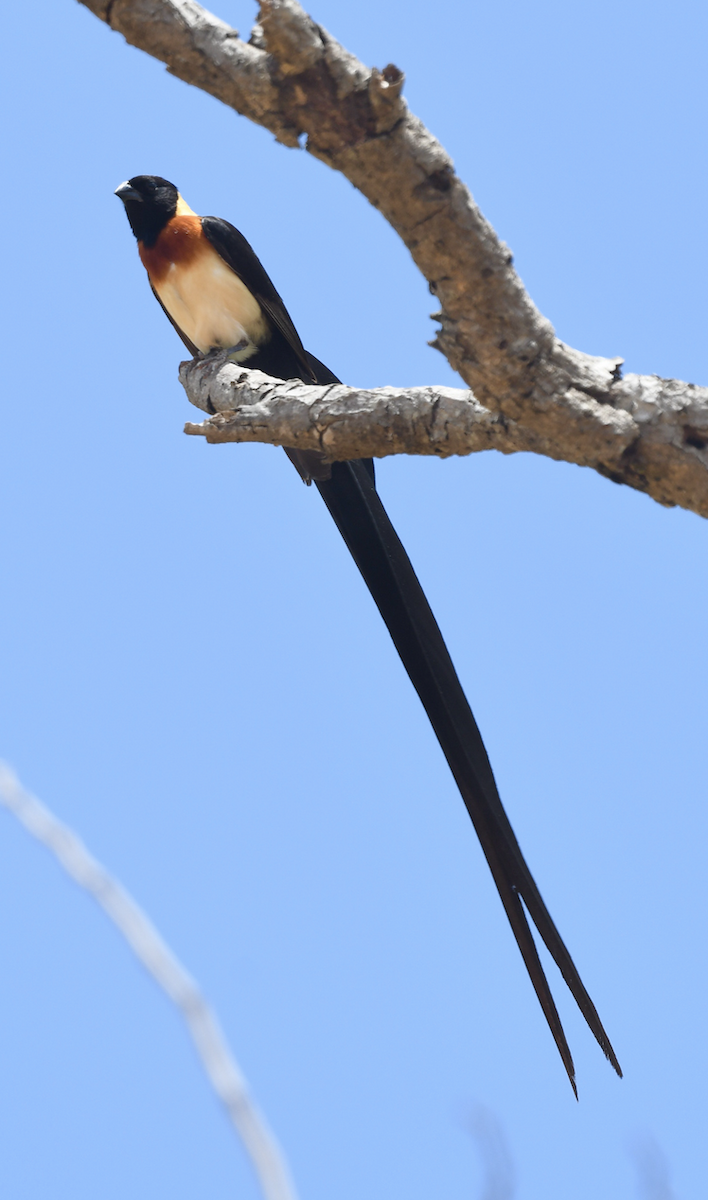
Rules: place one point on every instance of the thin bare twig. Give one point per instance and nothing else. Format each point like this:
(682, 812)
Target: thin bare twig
(218, 1062)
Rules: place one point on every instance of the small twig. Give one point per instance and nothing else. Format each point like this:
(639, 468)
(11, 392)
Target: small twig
(220, 1067)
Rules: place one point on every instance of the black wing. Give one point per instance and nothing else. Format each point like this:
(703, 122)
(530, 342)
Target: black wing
(238, 254)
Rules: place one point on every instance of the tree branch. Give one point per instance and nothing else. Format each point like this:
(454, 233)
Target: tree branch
(295, 79)
(220, 1066)
(342, 422)
(652, 436)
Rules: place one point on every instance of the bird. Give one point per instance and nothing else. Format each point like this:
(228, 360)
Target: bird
(215, 292)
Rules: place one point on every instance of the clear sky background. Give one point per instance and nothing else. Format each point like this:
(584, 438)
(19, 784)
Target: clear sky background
(195, 678)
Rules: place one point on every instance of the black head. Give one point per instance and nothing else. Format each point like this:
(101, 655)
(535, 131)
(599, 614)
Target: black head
(150, 202)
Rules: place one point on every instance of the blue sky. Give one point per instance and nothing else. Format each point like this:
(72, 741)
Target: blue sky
(195, 678)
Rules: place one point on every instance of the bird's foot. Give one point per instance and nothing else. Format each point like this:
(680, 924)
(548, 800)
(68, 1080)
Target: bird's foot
(240, 351)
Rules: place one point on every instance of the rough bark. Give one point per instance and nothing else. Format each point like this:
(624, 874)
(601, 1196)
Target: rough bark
(343, 422)
(298, 82)
(651, 437)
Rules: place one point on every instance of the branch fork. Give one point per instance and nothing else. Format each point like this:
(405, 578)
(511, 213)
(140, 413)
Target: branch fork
(531, 392)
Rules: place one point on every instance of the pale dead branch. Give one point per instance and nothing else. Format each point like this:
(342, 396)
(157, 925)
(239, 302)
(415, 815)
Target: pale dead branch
(220, 1066)
(640, 439)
